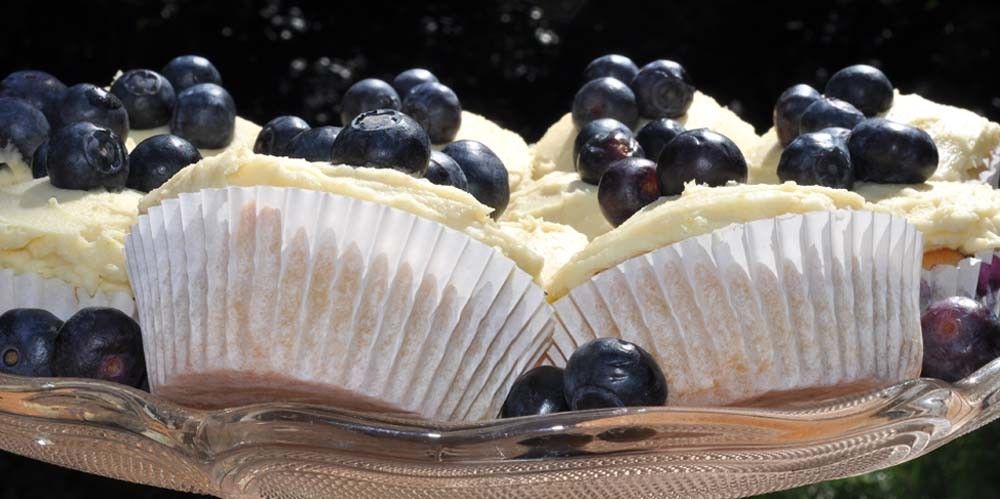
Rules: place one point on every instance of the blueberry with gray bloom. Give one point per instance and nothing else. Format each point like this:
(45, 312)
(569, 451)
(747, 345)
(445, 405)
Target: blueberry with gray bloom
(609, 372)
(148, 97)
(442, 170)
(275, 136)
(315, 144)
(788, 111)
(614, 66)
(38, 88)
(384, 138)
(86, 102)
(84, 156)
(663, 89)
(866, 87)
(186, 71)
(817, 159)
(827, 112)
(410, 78)
(656, 134)
(157, 159)
(22, 126)
(485, 172)
(437, 109)
(205, 115)
(605, 98)
(367, 95)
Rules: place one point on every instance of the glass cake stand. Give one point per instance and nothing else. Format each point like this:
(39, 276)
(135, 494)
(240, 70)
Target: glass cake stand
(288, 451)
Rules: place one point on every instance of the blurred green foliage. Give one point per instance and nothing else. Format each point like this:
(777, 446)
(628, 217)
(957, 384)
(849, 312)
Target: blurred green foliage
(960, 470)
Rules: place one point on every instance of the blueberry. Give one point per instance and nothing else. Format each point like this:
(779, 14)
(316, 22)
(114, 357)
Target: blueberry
(410, 78)
(663, 89)
(27, 340)
(485, 172)
(614, 66)
(38, 88)
(887, 152)
(864, 86)
(86, 102)
(437, 109)
(605, 98)
(817, 159)
(700, 155)
(656, 134)
(22, 126)
(788, 111)
(383, 138)
(186, 71)
(148, 97)
(273, 139)
(84, 156)
(594, 128)
(960, 336)
(608, 372)
(827, 112)
(100, 343)
(367, 95)
(536, 392)
(39, 167)
(442, 170)
(315, 144)
(158, 158)
(205, 115)
(626, 187)
(603, 149)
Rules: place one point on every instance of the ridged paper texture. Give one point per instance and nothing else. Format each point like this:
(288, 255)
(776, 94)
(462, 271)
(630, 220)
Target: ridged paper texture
(306, 294)
(31, 290)
(975, 277)
(824, 299)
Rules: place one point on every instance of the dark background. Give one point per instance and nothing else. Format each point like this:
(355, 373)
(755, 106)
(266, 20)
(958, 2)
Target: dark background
(520, 64)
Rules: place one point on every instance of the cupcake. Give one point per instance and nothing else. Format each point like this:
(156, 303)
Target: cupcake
(751, 293)
(263, 278)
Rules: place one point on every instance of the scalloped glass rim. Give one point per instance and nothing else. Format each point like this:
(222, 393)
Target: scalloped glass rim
(280, 450)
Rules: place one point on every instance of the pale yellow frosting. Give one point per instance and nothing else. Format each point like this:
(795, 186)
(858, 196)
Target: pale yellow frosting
(452, 207)
(76, 236)
(17, 170)
(563, 198)
(508, 146)
(968, 144)
(554, 151)
(951, 215)
(699, 210)
(555, 243)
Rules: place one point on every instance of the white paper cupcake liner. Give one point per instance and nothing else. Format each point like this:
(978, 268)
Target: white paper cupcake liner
(991, 175)
(800, 303)
(31, 290)
(975, 277)
(256, 294)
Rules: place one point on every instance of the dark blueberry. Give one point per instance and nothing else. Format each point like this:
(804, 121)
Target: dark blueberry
(442, 170)
(22, 126)
(367, 95)
(608, 372)
(663, 89)
(437, 109)
(186, 71)
(626, 187)
(839, 133)
(274, 137)
(614, 66)
(595, 128)
(148, 97)
(536, 392)
(205, 115)
(605, 98)
(86, 102)
(410, 78)
(158, 158)
(864, 86)
(84, 156)
(600, 151)
(960, 336)
(383, 138)
(38, 88)
(485, 172)
(27, 341)
(39, 167)
(887, 152)
(827, 112)
(100, 343)
(315, 144)
(788, 111)
(656, 134)
(817, 159)
(702, 156)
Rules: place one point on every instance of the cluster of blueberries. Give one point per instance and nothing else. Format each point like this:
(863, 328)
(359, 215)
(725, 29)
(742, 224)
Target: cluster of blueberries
(630, 169)
(603, 373)
(97, 342)
(835, 138)
(75, 135)
(382, 130)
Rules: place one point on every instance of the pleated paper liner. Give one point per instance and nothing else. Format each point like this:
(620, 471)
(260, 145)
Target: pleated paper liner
(31, 290)
(975, 277)
(801, 304)
(262, 294)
